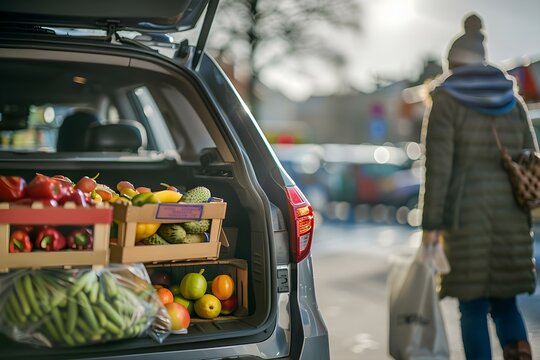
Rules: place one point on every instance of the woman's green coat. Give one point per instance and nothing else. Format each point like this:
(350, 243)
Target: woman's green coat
(467, 194)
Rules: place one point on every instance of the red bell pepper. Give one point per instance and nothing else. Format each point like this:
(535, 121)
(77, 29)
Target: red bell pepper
(80, 239)
(64, 180)
(50, 239)
(11, 188)
(73, 195)
(27, 202)
(44, 187)
(19, 241)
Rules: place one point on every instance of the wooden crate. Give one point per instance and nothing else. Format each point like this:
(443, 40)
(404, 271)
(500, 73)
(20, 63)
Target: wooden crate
(124, 250)
(100, 216)
(236, 268)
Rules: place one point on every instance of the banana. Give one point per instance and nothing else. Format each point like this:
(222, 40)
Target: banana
(168, 196)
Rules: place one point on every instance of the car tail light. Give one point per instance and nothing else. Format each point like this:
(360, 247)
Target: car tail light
(302, 223)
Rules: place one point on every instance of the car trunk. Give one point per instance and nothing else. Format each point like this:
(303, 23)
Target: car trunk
(205, 153)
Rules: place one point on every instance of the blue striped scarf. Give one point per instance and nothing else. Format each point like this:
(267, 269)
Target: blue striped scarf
(483, 88)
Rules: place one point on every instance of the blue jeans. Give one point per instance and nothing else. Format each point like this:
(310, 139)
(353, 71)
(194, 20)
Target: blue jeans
(474, 325)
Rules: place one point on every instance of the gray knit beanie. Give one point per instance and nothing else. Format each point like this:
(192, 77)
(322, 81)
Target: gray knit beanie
(469, 47)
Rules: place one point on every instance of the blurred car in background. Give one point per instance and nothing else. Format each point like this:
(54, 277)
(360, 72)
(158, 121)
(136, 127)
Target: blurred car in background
(359, 183)
(303, 162)
(377, 183)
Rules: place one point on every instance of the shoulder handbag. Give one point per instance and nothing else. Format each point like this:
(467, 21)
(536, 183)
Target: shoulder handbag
(524, 173)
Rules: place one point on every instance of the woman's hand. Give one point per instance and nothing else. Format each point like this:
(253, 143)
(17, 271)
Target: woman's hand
(430, 237)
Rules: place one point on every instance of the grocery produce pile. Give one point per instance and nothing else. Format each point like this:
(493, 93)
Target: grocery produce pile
(188, 232)
(59, 307)
(80, 307)
(57, 190)
(202, 298)
(48, 191)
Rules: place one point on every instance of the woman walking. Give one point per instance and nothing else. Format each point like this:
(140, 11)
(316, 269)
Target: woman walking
(467, 198)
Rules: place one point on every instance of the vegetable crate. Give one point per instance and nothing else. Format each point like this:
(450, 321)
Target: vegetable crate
(99, 216)
(124, 249)
(236, 268)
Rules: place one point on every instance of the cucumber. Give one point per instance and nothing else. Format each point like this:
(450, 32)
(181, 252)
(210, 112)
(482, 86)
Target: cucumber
(94, 292)
(172, 233)
(71, 315)
(90, 282)
(111, 314)
(109, 285)
(114, 330)
(83, 326)
(102, 318)
(86, 310)
(25, 306)
(8, 314)
(78, 337)
(68, 340)
(51, 329)
(30, 295)
(42, 292)
(12, 299)
(57, 320)
(80, 283)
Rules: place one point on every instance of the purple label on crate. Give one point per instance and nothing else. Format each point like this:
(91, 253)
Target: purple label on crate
(179, 212)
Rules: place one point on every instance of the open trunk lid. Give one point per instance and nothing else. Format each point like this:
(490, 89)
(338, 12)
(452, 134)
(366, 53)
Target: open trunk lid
(134, 15)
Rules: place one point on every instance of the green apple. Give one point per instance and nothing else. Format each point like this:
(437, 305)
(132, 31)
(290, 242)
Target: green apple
(175, 289)
(184, 302)
(193, 285)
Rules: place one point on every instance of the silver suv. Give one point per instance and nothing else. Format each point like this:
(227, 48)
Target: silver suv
(164, 112)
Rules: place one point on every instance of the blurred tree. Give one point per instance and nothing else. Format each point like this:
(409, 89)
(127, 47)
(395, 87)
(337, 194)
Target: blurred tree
(256, 35)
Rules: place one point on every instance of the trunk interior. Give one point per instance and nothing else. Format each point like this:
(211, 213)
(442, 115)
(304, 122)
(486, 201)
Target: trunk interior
(201, 156)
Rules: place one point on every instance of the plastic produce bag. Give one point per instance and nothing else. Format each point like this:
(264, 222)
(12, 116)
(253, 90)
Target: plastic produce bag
(416, 329)
(57, 308)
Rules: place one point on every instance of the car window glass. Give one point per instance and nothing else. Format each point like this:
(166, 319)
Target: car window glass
(40, 130)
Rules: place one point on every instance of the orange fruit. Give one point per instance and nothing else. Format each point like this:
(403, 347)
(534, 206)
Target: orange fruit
(223, 286)
(165, 295)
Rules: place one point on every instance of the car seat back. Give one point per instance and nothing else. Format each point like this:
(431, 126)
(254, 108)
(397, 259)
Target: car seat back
(72, 132)
(124, 136)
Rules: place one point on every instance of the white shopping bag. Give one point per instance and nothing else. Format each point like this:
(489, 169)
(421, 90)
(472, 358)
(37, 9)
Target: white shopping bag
(416, 323)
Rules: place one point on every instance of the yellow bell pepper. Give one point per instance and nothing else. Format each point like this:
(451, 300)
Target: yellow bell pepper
(145, 230)
(168, 196)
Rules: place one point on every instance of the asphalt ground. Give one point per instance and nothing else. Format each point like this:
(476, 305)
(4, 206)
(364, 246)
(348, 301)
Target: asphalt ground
(351, 264)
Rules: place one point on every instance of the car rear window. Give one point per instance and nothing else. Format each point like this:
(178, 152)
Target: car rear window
(65, 107)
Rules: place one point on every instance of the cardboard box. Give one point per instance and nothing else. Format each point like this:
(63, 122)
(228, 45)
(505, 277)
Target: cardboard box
(236, 268)
(100, 216)
(124, 249)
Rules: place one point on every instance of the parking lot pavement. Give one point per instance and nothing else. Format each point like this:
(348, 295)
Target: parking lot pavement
(351, 265)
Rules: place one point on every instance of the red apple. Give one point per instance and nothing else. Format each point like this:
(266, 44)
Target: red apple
(86, 184)
(143, 189)
(179, 316)
(160, 278)
(124, 185)
(228, 305)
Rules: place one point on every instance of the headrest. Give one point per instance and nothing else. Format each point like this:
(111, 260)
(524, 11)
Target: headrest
(72, 132)
(126, 135)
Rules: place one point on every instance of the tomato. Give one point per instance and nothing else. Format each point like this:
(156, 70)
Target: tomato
(223, 286)
(165, 295)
